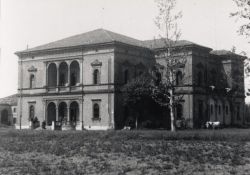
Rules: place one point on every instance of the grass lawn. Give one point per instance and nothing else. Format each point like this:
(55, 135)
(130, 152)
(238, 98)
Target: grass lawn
(224, 151)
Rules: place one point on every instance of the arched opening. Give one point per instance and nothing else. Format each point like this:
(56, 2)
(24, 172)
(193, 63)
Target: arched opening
(52, 75)
(211, 109)
(178, 78)
(227, 113)
(51, 111)
(179, 112)
(4, 117)
(74, 111)
(31, 112)
(96, 111)
(158, 78)
(126, 76)
(199, 82)
(74, 73)
(32, 81)
(213, 75)
(62, 110)
(140, 73)
(96, 76)
(63, 74)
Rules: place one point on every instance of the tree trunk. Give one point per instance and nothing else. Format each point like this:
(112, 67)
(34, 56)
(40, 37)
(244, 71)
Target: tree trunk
(171, 102)
(171, 110)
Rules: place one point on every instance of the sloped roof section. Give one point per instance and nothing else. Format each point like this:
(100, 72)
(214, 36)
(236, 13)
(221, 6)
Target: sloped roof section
(97, 36)
(161, 43)
(222, 52)
(10, 100)
(102, 36)
(227, 54)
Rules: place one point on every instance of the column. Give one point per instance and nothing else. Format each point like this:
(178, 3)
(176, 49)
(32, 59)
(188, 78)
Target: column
(81, 127)
(57, 113)
(45, 74)
(45, 110)
(57, 74)
(68, 113)
(68, 63)
(81, 71)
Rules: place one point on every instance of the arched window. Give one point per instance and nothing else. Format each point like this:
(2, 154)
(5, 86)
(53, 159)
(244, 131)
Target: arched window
(31, 112)
(158, 78)
(211, 109)
(52, 75)
(96, 111)
(178, 78)
(227, 110)
(126, 76)
(63, 74)
(212, 78)
(219, 109)
(140, 73)
(199, 82)
(96, 76)
(74, 73)
(32, 81)
(179, 111)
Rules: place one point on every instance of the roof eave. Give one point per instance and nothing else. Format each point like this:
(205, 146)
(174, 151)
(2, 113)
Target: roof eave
(20, 53)
(186, 46)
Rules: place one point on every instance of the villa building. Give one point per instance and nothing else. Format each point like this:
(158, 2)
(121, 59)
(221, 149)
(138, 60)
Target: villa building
(77, 79)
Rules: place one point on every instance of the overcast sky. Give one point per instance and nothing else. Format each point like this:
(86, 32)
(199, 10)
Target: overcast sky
(36, 22)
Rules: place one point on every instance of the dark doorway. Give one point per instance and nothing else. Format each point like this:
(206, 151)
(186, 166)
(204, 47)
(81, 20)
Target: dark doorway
(62, 112)
(51, 113)
(74, 112)
(4, 117)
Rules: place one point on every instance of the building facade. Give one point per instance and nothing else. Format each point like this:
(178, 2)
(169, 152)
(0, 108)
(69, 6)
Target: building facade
(75, 81)
(8, 110)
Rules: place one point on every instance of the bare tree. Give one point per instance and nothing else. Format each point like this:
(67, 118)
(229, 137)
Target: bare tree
(167, 23)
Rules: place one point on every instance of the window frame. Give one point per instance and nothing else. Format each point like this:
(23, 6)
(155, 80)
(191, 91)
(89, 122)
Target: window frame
(178, 78)
(32, 81)
(94, 103)
(31, 107)
(96, 76)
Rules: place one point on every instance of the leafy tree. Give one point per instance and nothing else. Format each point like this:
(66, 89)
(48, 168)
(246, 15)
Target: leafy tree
(167, 23)
(243, 14)
(137, 92)
(145, 94)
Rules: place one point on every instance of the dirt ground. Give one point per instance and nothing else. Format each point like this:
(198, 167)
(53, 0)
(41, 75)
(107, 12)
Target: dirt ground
(125, 152)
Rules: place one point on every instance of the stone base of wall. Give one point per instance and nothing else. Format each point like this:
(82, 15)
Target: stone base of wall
(97, 127)
(22, 127)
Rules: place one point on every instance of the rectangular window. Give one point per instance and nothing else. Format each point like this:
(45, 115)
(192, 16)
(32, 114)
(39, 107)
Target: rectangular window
(219, 110)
